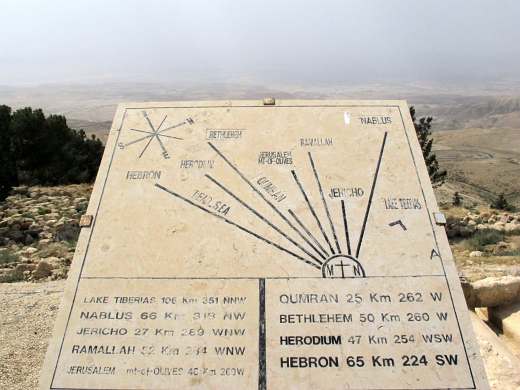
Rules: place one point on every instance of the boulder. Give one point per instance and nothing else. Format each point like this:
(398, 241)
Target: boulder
(476, 254)
(43, 269)
(53, 261)
(30, 250)
(50, 222)
(494, 291)
(511, 227)
(498, 226)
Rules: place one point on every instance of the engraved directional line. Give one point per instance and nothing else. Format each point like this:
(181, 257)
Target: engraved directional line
(312, 211)
(264, 219)
(148, 120)
(160, 125)
(228, 221)
(142, 131)
(306, 230)
(376, 174)
(248, 182)
(324, 202)
(345, 224)
(170, 136)
(139, 139)
(173, 127)
(146, 147)
(160, 143)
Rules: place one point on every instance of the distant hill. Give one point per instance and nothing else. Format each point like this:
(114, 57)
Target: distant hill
(476, 128)
(476, 112)
(454, 107)
(454, 113)
(481, 163)
(99, 129)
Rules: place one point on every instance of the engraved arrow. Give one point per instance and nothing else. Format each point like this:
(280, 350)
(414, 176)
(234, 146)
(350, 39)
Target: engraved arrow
(434, 254)
(398, 222)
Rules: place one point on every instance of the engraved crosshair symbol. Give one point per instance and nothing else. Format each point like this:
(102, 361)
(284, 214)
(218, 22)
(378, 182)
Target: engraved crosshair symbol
(342, 266)
(155, 133)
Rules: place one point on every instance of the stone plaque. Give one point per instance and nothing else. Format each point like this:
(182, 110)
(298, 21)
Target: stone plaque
(238, 245)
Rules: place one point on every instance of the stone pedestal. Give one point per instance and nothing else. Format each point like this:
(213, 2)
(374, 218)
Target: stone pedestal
(291, 245)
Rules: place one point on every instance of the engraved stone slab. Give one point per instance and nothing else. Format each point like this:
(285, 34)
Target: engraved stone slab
(250, 246)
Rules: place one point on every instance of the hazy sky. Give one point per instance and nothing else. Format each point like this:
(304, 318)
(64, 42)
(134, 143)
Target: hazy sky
(319, 41)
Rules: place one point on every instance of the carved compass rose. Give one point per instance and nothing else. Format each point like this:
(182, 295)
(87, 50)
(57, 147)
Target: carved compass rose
(155, 133)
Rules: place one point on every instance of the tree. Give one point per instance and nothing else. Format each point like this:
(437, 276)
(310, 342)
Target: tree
(423, 130)
(457, 199)
(8, 175)
(501, 203)
(30, 143)
(35, 149)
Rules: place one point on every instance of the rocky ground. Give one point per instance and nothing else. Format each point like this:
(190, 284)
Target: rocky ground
(485, 242)
(27, 313)
(38, 231)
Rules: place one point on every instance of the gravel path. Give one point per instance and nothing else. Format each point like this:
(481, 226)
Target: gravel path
(27, 312)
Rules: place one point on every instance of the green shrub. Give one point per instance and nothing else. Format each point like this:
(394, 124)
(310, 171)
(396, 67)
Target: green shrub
(43, 210)
(512, 252)
(501, 203)
(11, 277)
(7, 257)
(457, 199)
(484, 237)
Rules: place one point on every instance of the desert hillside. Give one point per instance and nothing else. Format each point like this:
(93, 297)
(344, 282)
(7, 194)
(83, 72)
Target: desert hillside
(484, 112)
(454, 107)
(481, 163)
